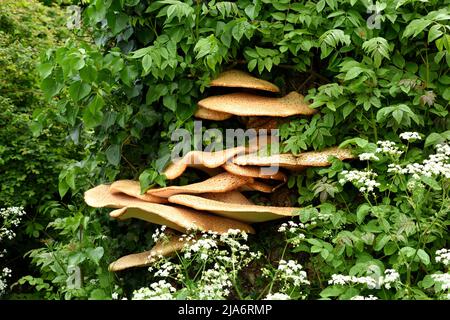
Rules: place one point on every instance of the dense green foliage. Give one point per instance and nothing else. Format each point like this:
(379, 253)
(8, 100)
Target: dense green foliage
(31, 163)
(371, 76)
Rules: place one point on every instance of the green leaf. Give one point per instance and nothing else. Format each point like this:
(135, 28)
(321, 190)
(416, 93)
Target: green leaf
(113, 154)
(95, 254)
(434, 33)
(147, 63)
(332, 291)
(423, 256)
(170, 102)
(353, 73)
(76, 258)
(128, 75)
(45, 69)
(79, 90)
(93, 115)
(415, 27)
(50, 87)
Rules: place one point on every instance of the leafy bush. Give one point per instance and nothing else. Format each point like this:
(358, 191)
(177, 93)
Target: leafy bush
(32, 153)
(372, 77)
(31, 162)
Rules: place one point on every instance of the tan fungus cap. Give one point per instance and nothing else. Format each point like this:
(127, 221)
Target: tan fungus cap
(247, 213)
(165, 247)
(253, 172)
(133, 189)
(180, 219)
(222, 182)
(247, 104)
(201, 159)
(290, 161)
(228, 197)
(241, 79)
(208, 114)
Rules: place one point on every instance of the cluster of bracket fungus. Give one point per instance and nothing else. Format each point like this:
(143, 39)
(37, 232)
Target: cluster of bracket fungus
(216, 204)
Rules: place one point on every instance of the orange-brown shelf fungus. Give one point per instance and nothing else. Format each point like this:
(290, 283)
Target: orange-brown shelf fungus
(246, 213)
(254, 172)
(201, 159)
(207, 114)
(229, 197)
(163, 248)
(177, 218)
(290, 161)
(133, 189)
(247, 104)
(241, 79)
(222, 182)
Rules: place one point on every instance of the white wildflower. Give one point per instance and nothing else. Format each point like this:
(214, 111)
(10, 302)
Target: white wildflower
(368, 156)
(370, 297)
(291, 271)
(443, 256)
(443, 280)
(363, 180)
(160, 290)
(410, 136)
(389, 148)
(277, 296)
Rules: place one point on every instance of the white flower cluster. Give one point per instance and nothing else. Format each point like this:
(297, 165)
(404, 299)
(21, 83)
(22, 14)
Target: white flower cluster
(291, 271)
(410, 136)
(443, 279)
(368, 156)
(159, 234)
(363, 180)
(296, 229)
(436, 165)
(291, 227)
(208, 259)
(339, 279)
(214, 284)
(390, 277)
(443, 256)
(389, 148)
(6, 273)
(11, 217)
(166, 269)
(160, 290)
(370, 297)
(277, 296)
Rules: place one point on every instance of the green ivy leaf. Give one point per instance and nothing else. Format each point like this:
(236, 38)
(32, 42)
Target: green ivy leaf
(79, 90)
(113, 154)
(93, 115)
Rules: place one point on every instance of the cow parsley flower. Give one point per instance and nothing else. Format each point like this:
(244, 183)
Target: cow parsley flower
(368, 156)
(277, 296)
(389, 148)
(443, 280)
(370, 297)
(363, 180)
(160, 290)
(292, 272)
(410, 136)
(443, 256)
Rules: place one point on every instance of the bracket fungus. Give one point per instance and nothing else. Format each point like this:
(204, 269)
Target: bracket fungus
(247, 104)
(201, 159)
(222, 182)
(240, 212)
(241, 79)
(217, 204)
